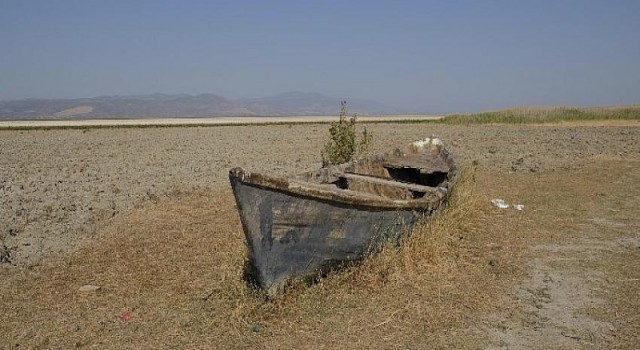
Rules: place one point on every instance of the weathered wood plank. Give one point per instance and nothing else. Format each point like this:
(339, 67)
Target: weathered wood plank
(377, 180)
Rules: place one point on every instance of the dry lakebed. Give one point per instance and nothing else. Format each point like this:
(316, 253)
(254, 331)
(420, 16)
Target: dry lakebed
(146, 216)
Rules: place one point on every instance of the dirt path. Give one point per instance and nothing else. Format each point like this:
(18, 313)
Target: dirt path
(557, 300)
(580, 289)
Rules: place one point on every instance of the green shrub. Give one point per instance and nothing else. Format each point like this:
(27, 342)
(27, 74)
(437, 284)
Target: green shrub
(344, 144)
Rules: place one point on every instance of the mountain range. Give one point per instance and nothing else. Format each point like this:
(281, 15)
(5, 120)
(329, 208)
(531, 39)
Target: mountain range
(182, 105)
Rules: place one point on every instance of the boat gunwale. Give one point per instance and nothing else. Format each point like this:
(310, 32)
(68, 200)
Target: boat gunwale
(313, 191)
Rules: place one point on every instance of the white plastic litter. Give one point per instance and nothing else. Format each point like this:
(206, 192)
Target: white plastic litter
(88, 288)
(500, 203)
(428, 143)
(519, 206)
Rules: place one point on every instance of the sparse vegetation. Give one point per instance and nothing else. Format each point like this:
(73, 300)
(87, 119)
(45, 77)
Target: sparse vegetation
(545, 115)
(344, 144)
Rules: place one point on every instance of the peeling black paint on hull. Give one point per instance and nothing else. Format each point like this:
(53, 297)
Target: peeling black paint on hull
(301, 236)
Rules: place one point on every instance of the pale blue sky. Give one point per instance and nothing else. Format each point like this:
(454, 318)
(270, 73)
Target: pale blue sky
(426, 56)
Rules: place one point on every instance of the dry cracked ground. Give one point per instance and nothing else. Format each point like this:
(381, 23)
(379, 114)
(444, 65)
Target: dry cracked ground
(147, 215)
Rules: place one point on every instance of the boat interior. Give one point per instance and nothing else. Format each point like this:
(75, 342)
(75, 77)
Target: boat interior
(403, 177)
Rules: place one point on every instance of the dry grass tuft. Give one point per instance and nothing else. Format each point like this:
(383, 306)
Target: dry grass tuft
(428, 249)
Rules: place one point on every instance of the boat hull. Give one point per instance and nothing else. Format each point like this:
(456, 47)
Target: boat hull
(293, 235)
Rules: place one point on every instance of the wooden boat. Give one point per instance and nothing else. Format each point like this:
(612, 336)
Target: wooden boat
(306, 225)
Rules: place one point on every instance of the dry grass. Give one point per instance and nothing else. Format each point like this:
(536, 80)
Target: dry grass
(176, 267)
(545, 115)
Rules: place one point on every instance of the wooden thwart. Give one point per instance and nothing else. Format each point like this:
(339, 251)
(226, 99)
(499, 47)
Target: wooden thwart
(380, 181)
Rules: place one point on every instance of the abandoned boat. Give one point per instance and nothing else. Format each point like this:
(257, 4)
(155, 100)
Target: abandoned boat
(306, 225)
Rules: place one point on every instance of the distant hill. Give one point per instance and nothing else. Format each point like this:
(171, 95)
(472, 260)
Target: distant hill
(309, 103)
(204, 105)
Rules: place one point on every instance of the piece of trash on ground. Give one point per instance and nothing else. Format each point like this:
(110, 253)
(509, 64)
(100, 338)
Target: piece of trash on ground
(519, 206)
(88, 288)
(500, 203)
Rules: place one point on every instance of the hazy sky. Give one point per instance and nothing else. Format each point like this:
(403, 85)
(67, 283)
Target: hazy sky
(429, 56)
